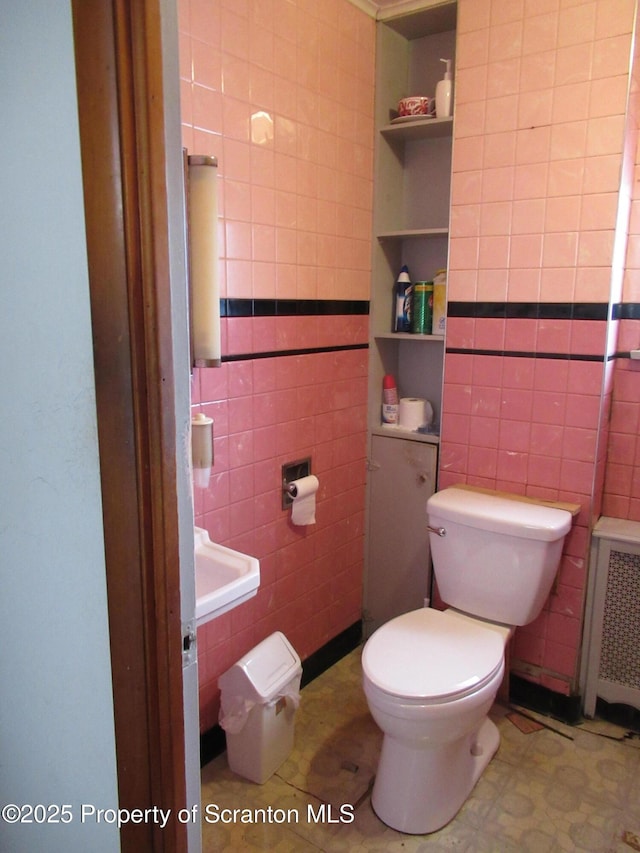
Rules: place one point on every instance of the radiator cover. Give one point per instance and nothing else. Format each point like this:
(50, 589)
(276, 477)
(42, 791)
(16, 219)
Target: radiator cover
(612, 637)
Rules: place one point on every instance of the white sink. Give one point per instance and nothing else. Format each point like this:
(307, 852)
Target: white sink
(224, 577)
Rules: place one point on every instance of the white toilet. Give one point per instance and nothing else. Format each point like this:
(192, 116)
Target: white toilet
(430, 676)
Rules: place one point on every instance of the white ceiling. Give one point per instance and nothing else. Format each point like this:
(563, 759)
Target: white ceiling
(412, 18)
(385, 9)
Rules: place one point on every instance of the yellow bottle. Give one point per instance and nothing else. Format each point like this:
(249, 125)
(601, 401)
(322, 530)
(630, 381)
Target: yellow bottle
(439, 302)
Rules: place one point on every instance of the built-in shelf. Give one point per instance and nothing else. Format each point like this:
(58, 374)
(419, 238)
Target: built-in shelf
(409, 233)
(412, 194)
(426, 128)
(408, 336)
(412, 187)
(406, 434)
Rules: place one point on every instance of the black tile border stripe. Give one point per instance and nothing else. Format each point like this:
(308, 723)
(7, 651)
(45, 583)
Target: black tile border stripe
(544, 310)
(530, 310)
(627, 311)
(283, 353)
(230, 307)
(544, 700)
(554, 356)
(292, 307)
(598, 311)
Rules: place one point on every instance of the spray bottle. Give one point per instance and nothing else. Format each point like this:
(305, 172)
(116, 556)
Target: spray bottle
(390, 402)
(402, 321)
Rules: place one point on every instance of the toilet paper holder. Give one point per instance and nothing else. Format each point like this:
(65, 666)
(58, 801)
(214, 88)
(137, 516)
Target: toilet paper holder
(293, 471)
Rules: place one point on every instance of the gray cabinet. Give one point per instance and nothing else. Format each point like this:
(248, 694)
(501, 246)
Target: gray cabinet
(401, 478)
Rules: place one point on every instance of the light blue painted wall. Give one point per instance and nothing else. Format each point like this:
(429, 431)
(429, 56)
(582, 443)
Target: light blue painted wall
(56, 711)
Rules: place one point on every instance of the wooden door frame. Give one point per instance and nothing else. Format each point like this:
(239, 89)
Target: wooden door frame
(119, 69)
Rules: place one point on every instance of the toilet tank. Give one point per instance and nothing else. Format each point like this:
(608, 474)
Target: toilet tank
(498, 556)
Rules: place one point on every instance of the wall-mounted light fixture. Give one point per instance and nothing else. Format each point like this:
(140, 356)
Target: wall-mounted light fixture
(203, 260)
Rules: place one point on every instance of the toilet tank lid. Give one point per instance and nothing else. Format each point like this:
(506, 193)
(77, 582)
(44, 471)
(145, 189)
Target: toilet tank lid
(499, 514)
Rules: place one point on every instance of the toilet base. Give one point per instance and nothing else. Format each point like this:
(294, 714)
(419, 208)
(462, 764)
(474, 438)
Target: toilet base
(419, 790)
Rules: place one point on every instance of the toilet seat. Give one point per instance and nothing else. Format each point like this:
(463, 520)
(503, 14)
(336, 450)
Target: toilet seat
(432, 656)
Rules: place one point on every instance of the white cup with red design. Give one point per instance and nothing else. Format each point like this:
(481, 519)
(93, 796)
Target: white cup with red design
(416, 105)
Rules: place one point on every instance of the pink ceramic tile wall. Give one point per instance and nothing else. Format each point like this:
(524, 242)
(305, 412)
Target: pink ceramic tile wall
(621, 497)
(538, 145)
(282, 93)
(536, 164)
(622, 482)
(267, 412)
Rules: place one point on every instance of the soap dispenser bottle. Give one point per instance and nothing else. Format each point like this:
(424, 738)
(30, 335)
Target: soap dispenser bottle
(443, 92)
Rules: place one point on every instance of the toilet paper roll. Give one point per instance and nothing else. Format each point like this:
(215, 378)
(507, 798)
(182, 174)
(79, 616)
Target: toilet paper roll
(414, 413)
(303, 491)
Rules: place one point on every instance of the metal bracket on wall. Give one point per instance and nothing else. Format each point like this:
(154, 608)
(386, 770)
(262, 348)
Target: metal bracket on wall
(293, 471)
(189, 643)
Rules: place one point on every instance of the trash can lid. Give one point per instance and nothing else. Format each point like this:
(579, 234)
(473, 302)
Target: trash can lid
(263, 671)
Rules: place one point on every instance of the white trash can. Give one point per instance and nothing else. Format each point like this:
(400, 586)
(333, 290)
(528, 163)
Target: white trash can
(259, 697)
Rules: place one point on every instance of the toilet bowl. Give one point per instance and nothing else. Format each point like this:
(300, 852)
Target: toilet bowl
(430, 696)
(430, 677)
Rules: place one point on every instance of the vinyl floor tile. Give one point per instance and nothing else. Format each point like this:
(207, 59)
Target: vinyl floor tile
(546, 791)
